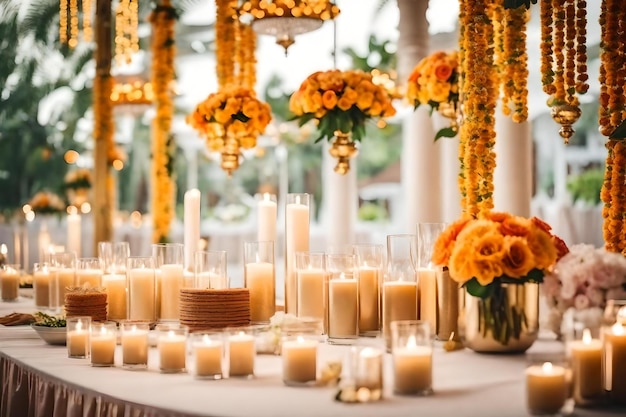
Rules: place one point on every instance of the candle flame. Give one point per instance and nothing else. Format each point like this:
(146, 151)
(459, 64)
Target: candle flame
(205, 339)
(242, 333)
(103, 330)
(171, 334)
(300, 339)
(546, 367)
(266, 197)
(411, 342)
(586, 336)
(79, 325)
(618, 329)
(297, 199)
(133, 329)
(3, 249)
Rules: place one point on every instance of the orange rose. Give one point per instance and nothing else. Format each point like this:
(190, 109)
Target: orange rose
(542, 247)
(518, 259)
(344, 103)
(489, 247)
(515, 226)
(460, 265)
(498, 216)
(445, 242)
(561, 247)
(443, 72)
(541, 224)
(329, 99)
(486, 271)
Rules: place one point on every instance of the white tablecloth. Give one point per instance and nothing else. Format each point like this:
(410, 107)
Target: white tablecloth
(39, 380)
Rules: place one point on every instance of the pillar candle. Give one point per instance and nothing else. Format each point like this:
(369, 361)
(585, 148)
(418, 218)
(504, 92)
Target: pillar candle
(74, 233)
(296, 240)
(241, 354)
(586, 368)
(89, 277)
(343, 310)
(103, 348)
(78, 341)
(191, 226)
(41, 285)
(546, 388)
(428, 297)
(172, 277)
(65, 277)
(266, 219)
(369, 320)
(115, 286)
(135, 347)
(399, 303)
(412, 368)
(260, 282)
(310, 289)
(614, 352)
(208, 355)
(10, 283)
(172, 352)
(141, 289)
(299, 360)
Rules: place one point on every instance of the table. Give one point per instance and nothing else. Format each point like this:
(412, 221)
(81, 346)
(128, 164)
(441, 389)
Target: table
(39, 380)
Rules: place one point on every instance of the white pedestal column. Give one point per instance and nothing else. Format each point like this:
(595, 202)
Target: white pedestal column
(340, 201)
(514, 171)
(450, 167)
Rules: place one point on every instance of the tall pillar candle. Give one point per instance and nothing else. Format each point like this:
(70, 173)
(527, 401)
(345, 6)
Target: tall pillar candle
(427, 282)
(370, 265)
(191, 225)
(297, 224)
(399, 303)
(141, 285)
(41, 284)
(266, 218)
(9, 282)
(614, 354)
(343, 297)
(259, 278)
(310, 276)
(115, 286)
(171, 283)
(74, 231)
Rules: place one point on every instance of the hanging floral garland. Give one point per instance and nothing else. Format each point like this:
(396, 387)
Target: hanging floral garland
(71, 12)
(564, 59)
(612, 114)
(163, 19)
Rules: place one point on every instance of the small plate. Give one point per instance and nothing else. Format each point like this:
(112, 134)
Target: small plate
(51, 335)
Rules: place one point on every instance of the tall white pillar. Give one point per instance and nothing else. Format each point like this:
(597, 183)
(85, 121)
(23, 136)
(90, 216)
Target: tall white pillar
(450, 167)
(421, 176)
(514, 170)
(340, 201)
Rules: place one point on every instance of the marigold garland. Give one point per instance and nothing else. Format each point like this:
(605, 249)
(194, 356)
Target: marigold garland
(225, 38)
(163, 19)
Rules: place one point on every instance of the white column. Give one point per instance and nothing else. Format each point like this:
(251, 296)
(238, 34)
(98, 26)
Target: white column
(340, 201)
(514, 170)
(421, 177)
(450, 167)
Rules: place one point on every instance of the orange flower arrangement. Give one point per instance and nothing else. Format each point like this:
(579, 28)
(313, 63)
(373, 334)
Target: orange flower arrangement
(231, 112)
(500, 248)
(46, 202)
(340, 101)
(434, 80)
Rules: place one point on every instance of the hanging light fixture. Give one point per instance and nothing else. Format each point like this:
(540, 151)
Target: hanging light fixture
(284, 19)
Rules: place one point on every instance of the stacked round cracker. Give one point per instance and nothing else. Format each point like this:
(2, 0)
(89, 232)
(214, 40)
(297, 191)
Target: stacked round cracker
(92, 302)
(205, 309)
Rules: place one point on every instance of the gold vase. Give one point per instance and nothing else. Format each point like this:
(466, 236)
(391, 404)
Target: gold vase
(566, 115)
(505, 322)
(343, 148)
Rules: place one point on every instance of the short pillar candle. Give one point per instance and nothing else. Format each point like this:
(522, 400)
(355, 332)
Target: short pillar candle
(78, 337)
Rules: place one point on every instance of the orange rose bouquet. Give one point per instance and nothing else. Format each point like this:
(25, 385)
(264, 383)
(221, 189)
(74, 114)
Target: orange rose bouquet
(340, 101)
(46, 202)
(231, 112)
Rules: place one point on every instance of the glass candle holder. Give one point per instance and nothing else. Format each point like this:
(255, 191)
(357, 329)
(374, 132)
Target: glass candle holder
(88, 272)
(208, 354)
(343, 298)
(400, 283)
(299, 356)
(113, 257)
(63, 274)
(310, 277)
(141, 285)
(210, 270)
(103, 338)
(134, 339)
(370, 264)
(41, 284)
(614, 360)
(259, 278)
(367, 371)
(172, 347)
(241, 352)
(585, 356)
(411, 348)
(266, 217)
(78, 336)
(10, 282)
(297, 229)
(548, 390)
(169, 261)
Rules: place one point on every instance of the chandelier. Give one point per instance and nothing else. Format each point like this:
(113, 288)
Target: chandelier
(284, 19)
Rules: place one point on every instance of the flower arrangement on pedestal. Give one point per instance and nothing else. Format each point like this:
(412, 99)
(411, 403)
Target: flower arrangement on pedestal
(77, 183)
(46, 202)
(230, 118)
(583, 281)
(435, 82)
(490, 257)
(341, 102)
